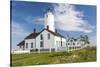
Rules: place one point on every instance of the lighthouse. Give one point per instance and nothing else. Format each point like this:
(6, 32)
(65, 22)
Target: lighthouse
(49, 20)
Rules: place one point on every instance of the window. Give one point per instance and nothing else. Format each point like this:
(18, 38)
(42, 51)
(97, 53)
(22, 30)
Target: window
(41, 37)
(68, 43)
(19, 46)
(73, 43)
(41, 44)
(61, 43)
(26, 45)
(48, 35)
(31, 45)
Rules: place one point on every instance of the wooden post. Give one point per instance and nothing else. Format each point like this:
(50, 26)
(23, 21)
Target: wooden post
(55, 49)
(50, 50)
(39, 50)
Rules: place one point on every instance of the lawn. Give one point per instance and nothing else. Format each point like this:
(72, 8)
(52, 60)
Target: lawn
(87, 54)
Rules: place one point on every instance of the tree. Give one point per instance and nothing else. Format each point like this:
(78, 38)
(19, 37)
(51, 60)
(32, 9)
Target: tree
(84, 38)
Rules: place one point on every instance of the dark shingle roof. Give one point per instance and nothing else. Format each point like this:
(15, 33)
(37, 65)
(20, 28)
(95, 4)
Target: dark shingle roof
(32, 36)
(55, 33)
(21, 43)
(72, 39)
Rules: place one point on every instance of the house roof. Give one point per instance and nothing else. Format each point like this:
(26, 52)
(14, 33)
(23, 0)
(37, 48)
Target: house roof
(55, 33)
(72, 39)
(21, 43)
(34, 35)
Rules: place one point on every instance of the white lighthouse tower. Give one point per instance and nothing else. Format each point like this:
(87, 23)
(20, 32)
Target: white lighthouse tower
(49, 20)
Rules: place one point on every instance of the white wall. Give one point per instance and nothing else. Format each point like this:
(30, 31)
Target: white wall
(58, 43)
(64, 42)
(47, 43)
(20, 47)
(29, 41)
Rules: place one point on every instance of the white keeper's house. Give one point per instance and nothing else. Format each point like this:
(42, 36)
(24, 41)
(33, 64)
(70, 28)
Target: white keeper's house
(48, 39)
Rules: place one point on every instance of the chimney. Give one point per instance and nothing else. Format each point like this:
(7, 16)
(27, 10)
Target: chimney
(47, 27)
(56, 30)
(34, 30)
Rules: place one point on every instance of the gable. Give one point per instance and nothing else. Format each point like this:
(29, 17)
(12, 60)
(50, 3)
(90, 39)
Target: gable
(55, 33)
(34, 35)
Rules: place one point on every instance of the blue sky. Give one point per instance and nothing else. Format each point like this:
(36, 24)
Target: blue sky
(29, 15)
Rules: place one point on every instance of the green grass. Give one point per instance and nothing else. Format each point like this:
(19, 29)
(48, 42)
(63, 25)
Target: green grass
(83, 55)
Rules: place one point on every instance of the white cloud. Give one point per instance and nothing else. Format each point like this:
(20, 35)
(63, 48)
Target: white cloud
(67, 18)
(38, 19)
(35, 20)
